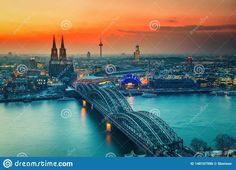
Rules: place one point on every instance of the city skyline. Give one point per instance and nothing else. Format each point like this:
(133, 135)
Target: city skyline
(191, 27)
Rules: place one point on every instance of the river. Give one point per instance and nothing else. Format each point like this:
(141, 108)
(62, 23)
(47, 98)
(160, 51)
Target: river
(65, 128)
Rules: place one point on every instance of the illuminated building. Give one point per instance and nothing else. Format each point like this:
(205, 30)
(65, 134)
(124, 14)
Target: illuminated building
(144, 81)
(234, 81)
(189, 59)
(40, 65)
(130, 81)
(174, 83)
(32, 63)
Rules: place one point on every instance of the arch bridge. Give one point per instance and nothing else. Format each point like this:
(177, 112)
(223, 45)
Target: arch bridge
(145, 129)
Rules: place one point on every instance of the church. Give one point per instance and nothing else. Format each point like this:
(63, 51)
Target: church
(59, 66)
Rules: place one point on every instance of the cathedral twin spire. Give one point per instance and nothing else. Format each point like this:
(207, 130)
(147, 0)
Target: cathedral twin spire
(62, 52)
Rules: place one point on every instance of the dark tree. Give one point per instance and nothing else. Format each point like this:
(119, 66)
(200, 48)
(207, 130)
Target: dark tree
(199, 145)
(5, 92)
(225, 142)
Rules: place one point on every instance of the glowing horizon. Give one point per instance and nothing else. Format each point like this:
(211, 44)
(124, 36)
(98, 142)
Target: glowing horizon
(186, 26)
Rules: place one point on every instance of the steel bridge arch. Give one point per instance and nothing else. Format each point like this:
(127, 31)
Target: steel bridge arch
(161, 123)
(146, 128)
(121, 100)
(142, 121)
(111, 100)
(123, 119)
(158, 125)
(102, 98)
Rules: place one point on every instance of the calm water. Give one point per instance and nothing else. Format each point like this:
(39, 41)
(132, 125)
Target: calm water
(38, 129)
(201, 116)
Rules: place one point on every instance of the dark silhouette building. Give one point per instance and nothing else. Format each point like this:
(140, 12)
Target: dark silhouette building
(62, 56)
(60, 67)
(100, 45)
(189, 60)
(33, 63)
(137, 53)
(88, 55)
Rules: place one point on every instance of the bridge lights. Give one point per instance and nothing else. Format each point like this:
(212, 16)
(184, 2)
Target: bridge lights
(84, 103)
(108, 127)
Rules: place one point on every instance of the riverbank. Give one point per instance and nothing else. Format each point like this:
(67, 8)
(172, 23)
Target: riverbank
(212, 91)
(30, 99)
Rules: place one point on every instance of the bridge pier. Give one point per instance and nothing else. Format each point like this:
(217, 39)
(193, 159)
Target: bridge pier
(84, 102)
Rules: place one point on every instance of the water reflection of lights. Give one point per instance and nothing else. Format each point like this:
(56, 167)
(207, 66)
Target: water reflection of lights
(108, 138)
(130, 99)
(83, 113)
(227, 97)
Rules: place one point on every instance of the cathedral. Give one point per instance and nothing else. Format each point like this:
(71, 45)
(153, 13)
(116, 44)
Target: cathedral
(59, 66)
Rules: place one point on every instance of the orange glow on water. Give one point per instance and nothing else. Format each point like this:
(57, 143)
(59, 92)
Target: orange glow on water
(108, 138)
(130, 99)
(83, 113)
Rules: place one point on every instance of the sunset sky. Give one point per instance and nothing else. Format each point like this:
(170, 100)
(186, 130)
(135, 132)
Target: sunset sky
(185, 26)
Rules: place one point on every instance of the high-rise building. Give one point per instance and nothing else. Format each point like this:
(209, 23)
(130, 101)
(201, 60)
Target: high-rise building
(59, 67)
(54, 54)
(32, 63)
(189, 59)
(62, 55)
(137, 54)
(88, 55)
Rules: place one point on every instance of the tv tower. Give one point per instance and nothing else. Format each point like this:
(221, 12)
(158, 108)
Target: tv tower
(100, 45)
